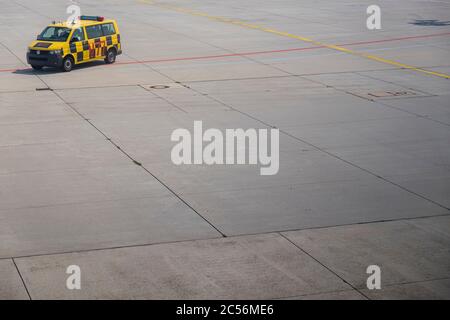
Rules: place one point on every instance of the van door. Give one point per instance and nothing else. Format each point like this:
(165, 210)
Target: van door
(96, 41)
(76, 45)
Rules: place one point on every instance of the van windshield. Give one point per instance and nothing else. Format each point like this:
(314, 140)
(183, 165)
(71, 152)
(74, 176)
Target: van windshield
(54, 34)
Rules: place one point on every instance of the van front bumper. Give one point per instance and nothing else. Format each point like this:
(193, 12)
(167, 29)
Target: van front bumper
(44, 59)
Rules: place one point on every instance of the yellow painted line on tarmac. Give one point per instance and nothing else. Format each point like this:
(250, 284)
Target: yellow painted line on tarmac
(293, 36)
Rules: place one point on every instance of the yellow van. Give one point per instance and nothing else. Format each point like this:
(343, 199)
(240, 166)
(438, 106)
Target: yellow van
(64, 45)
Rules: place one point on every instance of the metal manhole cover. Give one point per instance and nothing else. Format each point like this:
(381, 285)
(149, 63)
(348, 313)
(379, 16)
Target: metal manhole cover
(159, 86)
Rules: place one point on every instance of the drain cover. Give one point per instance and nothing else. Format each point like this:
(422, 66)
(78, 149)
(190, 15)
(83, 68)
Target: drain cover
(385, 94)
(159, 86)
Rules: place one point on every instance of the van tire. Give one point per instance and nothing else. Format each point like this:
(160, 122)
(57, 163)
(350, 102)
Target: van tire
(36, 67)
(111, 56)
(67, 64)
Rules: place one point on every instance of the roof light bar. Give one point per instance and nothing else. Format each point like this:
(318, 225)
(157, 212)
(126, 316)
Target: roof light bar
(92, 18)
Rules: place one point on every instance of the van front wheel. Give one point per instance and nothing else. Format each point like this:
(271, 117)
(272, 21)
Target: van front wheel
(67, 64)
(110, 56)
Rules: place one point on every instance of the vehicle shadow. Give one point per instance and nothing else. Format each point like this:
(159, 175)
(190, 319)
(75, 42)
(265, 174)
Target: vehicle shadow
(432, 23)
(50, 70)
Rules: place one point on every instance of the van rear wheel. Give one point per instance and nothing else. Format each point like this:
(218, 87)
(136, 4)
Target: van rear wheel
(67, 64)
(111, 56)
(36, 67)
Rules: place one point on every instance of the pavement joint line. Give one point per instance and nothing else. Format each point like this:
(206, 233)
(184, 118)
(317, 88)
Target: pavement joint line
(228, 237)
(297, 75)
(113, 248)
(415, 114)
(78, 203)
(210, 80)
(139, 164)
(134, 160)
(13, 54)
(317, 293)
(414, 282)
(31, 10)
(360, 73)
(370, 172)
(129, 156)
(383, 102)
(293, 36)
(256, 187)
(323, 265)
(329, 152)
(21, 279)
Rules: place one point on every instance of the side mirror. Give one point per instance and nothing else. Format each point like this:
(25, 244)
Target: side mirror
(75, 39)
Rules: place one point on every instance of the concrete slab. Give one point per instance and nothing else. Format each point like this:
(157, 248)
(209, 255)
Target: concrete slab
(49, 132)
(400, 160)
(87, 76)
(436, 107)
(95, 102)
(94, 225)
(282, 109)
(116, 100)
(13, 81)
(396, 130)
(11, 286)
(60, 156)
(309, 205)
(252, 267)
(406, 251)
(432, 85)
(435, 187)
(232, 67)
(147, 125)
(77, 186)
(32, 107)
(299, 166)
(322, 61)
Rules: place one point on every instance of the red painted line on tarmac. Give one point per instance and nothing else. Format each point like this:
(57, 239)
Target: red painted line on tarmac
(282, 50)
(12, 70)
(221, 55)
(243, 54)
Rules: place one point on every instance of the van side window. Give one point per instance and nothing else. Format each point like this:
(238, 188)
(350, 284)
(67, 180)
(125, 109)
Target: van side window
(79, 34)
(94, 31)
(108, 29)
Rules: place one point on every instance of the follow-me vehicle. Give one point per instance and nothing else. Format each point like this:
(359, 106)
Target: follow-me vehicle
(65, 44)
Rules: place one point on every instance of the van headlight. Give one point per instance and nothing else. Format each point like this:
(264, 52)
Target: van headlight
(55, 51)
